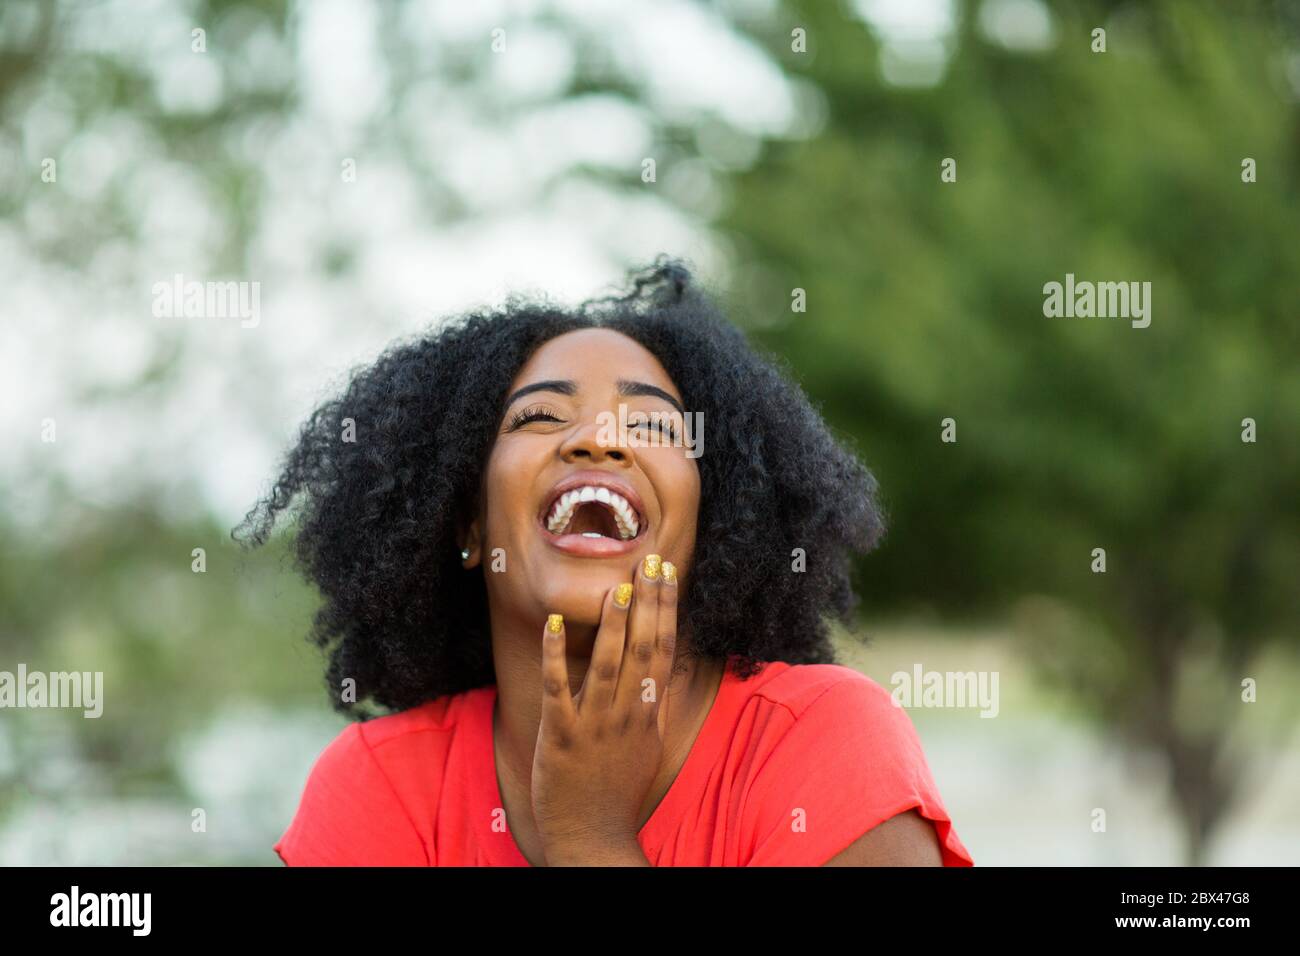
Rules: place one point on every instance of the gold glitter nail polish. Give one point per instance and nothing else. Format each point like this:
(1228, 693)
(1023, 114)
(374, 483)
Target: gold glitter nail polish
(670, 572)
(623, 595)
(555, 623)
(652, 565)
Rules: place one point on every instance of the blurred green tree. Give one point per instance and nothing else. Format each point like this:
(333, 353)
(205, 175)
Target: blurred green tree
(925, 302)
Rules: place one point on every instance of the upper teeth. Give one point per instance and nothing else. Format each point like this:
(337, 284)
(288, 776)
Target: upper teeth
(624, 513)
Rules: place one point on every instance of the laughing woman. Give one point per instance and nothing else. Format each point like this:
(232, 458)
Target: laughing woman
(577, 569)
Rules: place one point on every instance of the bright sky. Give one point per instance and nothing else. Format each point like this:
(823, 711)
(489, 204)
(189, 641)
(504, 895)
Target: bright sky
(525, 167)
(76, 341)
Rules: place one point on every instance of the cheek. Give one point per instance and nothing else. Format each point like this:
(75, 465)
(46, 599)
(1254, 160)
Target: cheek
(680, 498)
(507, 490)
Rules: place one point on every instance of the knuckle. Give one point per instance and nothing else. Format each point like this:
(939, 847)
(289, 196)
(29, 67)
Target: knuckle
(553, 685)
(607, 670)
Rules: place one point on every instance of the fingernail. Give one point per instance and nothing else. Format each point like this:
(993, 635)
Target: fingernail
(670, 573)
(555, 623)
(652, 565)
(623, 595)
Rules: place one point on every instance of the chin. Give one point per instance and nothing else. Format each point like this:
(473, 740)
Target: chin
(581, 597)
(583, 605)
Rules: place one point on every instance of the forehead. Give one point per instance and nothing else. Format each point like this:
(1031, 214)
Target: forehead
(597, 357)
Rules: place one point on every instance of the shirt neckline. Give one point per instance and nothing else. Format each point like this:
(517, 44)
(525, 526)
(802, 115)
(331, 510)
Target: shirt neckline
(704, 752)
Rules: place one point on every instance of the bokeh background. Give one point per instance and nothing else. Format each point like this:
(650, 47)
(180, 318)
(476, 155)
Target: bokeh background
(499, 147)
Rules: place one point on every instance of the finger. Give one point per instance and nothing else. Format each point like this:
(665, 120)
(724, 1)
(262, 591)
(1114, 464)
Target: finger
(665, 638)
(607, 654)
(639, 650)
(557, 702)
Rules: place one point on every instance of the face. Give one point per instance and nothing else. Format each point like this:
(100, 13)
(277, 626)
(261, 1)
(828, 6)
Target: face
(575, 497)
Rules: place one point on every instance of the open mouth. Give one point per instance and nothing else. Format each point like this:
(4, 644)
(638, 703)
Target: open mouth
(592, 511)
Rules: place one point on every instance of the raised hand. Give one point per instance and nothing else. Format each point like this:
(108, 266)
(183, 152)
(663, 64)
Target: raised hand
(598, 752)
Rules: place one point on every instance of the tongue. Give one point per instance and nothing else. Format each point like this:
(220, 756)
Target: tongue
(593, 516)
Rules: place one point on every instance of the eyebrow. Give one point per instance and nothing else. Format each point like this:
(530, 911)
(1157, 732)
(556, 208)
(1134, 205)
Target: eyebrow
(569, 387)
(631, 389)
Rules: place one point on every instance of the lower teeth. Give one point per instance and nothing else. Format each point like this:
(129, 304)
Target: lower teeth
(592, 534)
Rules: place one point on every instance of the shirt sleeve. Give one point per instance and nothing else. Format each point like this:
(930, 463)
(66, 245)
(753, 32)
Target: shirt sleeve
(850, 761)
(349, 814)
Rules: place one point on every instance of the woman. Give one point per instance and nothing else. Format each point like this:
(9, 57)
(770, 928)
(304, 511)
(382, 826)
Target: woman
(581, 560)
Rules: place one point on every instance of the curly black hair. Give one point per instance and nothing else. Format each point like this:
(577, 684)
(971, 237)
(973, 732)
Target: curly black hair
(377, 531)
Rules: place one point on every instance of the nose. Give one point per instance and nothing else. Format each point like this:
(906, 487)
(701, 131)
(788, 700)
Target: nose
(596, 441)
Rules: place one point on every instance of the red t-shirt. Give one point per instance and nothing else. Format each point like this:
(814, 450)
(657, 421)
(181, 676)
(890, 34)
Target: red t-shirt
(790, 767)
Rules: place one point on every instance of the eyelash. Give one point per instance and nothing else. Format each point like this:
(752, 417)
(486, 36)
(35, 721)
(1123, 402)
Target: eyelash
(664, 426)
(534, 413)
(538, 413)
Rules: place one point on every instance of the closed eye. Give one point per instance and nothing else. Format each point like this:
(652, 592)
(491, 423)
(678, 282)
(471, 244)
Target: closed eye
(534, 413)
(660, 422)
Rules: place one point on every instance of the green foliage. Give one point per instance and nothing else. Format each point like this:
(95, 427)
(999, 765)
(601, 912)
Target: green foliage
(118, 594)
(925, 301)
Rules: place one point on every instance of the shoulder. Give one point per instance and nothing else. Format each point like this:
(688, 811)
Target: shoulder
(371, 785)
(821, 692)
(824, 715)
(837, 758)
(387, 743)
(443, 715)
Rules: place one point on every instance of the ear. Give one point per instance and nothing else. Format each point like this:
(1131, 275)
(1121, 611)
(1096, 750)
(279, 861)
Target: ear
(470, 539)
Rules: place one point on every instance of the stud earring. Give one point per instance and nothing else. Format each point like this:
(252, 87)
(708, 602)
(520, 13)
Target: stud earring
(464, 554)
